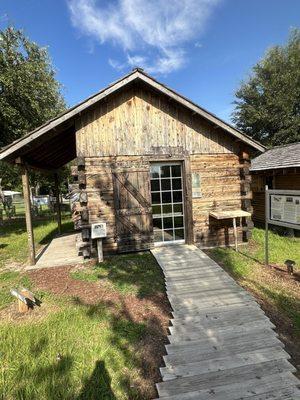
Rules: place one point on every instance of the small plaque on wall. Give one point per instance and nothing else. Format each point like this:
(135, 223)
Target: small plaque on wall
(196, 185)
(99, 230)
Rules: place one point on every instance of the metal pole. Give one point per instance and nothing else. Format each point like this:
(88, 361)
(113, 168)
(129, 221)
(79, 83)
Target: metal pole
(267, 210)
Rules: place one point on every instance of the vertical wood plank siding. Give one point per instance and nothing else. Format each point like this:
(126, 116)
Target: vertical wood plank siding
(120, 137)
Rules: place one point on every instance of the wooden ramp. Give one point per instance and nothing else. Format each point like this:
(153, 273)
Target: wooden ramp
(61, 251)
(222, 345)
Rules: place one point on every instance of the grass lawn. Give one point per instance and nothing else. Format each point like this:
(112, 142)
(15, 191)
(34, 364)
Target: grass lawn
(13, 238)
(277, 292)
(99, 333)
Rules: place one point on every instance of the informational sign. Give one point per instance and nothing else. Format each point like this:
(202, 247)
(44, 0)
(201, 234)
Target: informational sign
(285, 208)
(99, 230)
(282, 208)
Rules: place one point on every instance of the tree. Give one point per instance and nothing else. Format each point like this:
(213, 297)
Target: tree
(268, 104)
(29, 92)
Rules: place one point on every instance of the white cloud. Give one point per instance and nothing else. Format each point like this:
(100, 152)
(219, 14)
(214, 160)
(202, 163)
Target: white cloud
(152, 33)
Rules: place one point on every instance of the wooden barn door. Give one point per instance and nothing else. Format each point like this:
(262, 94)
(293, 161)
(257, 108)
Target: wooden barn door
(133, 214)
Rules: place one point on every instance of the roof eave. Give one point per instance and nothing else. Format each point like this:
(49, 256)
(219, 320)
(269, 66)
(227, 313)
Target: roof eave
(8, 152)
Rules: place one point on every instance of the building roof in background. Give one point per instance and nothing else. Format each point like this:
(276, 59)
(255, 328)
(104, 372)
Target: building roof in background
(287, 156)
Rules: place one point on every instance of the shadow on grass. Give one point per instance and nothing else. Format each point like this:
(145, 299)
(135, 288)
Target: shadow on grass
(98, 385)
(283, 301)
(56, 380)
(66, 227)
(139, 271)
(139, 344)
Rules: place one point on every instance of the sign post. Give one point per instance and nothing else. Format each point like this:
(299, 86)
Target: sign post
(99, 232)
(282, 208)
(266, 227)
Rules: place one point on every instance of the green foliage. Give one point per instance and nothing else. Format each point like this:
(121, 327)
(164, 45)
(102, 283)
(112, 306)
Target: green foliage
(136, 274)
(268, 104)
(29, 93)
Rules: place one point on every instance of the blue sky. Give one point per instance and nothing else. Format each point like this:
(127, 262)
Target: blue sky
(201, 48)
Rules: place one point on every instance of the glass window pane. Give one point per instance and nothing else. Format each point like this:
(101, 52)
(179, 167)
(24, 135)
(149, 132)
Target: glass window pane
(156, 210)
(176, 170)
(165, 171)
(177, 197)
(155, 198)
(158, 237)
(176, 184)
(178, 222)
(168, 223)
(155, 169)
(168, 235)
(166, 197)
(177, 208)
(179, 234)
(155, 185)
(167, 208)
(165, 184)
(157, 223)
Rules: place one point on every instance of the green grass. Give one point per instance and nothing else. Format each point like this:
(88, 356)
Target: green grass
(10, 280)
(247, 266)
(129, 274)
(96, 347)
(13, 238)
(13, 249)
(100, 346)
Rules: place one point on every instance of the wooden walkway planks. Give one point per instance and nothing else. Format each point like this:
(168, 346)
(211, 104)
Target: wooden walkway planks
(222, 345)
(61, 251)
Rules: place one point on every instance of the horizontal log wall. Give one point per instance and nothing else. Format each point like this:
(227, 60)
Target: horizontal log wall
(136, 127)
(221, 190)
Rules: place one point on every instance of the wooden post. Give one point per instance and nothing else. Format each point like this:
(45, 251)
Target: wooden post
(235, 234)
(28, 215)
(100, 250)
(58, 210)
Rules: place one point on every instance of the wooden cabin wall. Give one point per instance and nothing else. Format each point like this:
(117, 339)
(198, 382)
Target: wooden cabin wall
(120, 138)
(136, 122)
(222, 188)
(282, 179)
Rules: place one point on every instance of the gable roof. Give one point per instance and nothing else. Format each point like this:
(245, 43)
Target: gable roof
(12, 151)
(287, 156)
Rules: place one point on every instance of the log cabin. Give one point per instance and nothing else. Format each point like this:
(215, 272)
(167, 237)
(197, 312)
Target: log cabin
(278, 168)
(154, 166)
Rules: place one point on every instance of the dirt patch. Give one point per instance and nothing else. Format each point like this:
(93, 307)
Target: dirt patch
(12, 314)
(153, 311)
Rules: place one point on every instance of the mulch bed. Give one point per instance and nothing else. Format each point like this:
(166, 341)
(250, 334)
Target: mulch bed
(154, 311)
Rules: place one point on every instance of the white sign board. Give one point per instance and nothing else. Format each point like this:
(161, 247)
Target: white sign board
(283, 208)
(99, 230)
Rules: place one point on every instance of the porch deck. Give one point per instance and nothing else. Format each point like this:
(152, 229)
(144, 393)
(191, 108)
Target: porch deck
(60, 251)
(222, 345)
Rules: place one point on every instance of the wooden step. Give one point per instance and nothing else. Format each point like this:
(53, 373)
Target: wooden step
(272, 387)
(220, 378)
(221, 363)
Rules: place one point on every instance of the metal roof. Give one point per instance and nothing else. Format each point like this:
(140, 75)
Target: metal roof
(287, 156)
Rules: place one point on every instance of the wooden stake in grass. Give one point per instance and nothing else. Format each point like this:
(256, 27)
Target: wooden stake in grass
(26, 300)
